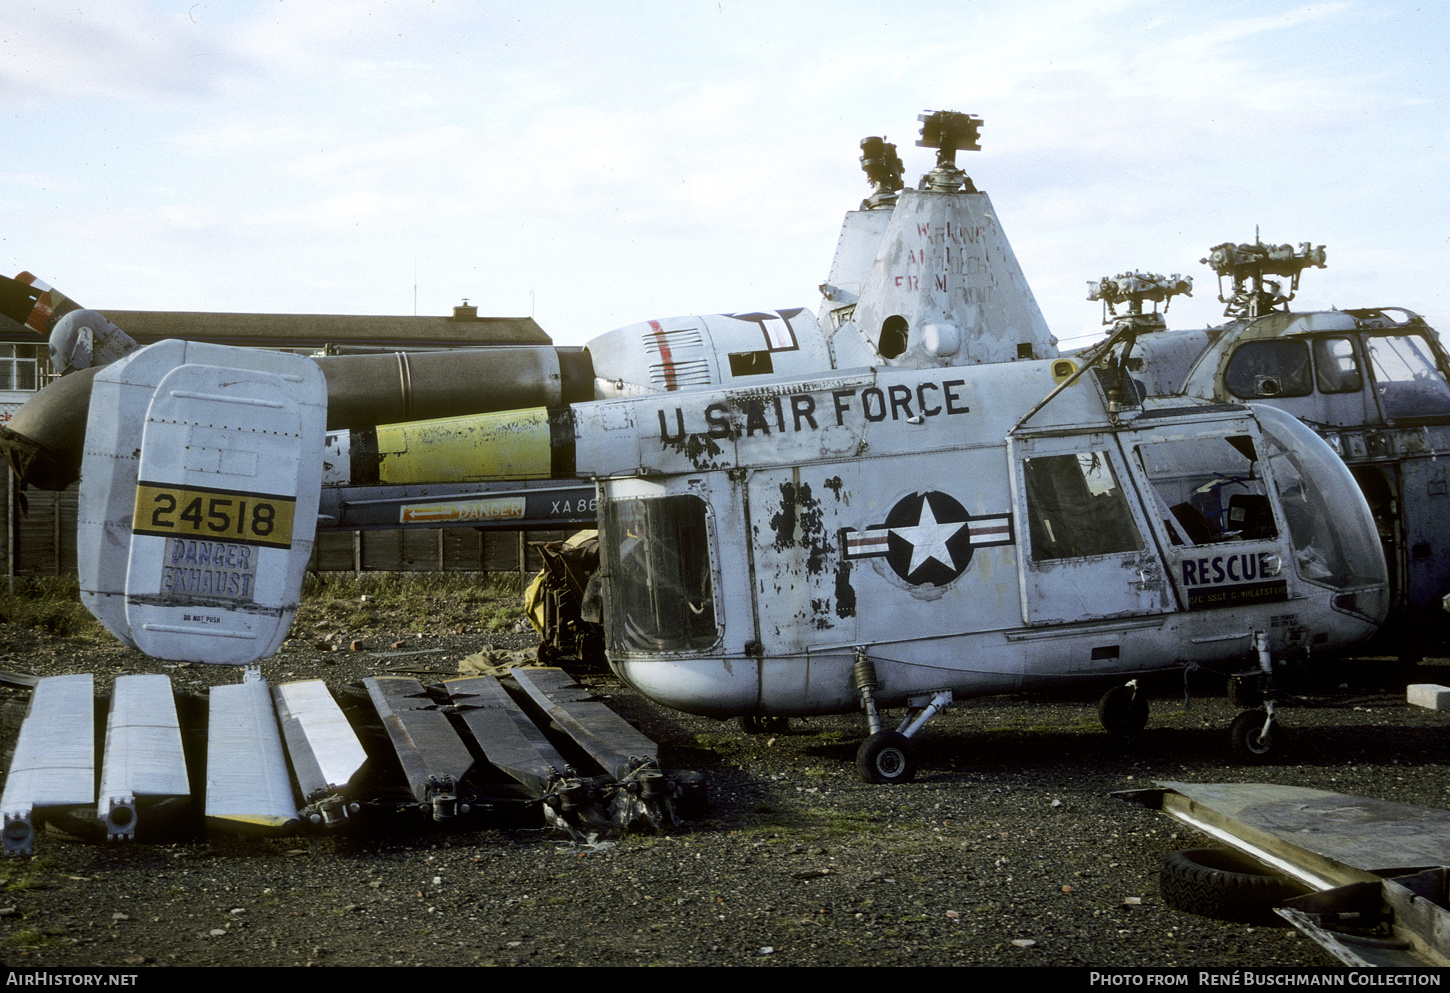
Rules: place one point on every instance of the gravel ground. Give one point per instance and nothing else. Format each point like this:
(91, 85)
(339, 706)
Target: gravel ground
(1008, 849)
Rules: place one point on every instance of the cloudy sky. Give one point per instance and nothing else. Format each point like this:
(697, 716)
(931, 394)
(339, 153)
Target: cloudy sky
(598, 164)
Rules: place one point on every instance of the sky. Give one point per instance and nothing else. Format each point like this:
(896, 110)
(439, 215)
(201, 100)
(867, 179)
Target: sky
(599, 164)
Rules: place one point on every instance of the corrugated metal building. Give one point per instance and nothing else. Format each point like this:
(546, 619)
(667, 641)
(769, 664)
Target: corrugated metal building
(40, 539)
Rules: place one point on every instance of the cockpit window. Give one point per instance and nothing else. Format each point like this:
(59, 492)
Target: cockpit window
(1406, 378)
(1335, 368)
(1260, 369)
(659, 593)
(1207, 490)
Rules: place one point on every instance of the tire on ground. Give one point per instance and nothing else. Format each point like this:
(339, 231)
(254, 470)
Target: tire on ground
(1123, 710)
(1250, 744)
(1223, 884)
(885, 757)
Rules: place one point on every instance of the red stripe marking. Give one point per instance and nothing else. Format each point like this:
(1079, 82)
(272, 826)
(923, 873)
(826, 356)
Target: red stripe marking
(666, 357)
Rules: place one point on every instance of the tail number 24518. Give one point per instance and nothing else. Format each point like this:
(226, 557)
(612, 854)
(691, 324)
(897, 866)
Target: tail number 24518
(171, 511)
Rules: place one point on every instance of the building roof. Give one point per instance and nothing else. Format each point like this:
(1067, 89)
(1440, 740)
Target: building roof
(464, 328)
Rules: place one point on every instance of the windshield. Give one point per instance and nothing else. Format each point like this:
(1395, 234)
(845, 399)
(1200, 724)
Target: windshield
(1331, 531)
(658, 595)
(1406, 377)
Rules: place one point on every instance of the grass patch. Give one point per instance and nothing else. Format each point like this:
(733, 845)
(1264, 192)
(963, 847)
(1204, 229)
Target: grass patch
(359, 601)
(717, 744)
(414, 601)
(51, 604)
(17, 876)
(390, 586)
(32, 938)
(829, 822)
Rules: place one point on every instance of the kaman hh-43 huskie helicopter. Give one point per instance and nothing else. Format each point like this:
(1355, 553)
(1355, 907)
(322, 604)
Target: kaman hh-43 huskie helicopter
(908, 499)
(1373, 382)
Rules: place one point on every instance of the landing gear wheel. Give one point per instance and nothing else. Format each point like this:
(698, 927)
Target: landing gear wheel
(886, 757)
(1123, 710)
(1222, 884)
(1250, 742)
(751, 724)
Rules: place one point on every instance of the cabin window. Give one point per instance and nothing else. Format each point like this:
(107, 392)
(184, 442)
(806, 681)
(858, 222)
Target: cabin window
(19, 367)
(1406, 377)
(1076, 507)
(1336, 370)
(1269, 369)
(893, 339)
(751, 364)
(659, 593)
(1207, 491)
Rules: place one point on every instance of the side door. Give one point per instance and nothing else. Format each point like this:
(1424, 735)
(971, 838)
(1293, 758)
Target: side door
(1087, 555)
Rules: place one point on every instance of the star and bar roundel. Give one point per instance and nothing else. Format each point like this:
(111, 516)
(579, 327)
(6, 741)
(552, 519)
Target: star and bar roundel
(927, 538)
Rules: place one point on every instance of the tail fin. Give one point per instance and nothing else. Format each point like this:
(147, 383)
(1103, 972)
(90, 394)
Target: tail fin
(33, 302)
(198, 503)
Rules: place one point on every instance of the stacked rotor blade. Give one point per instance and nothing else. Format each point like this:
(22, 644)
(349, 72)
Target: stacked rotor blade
(510, 740)
(326, 755)
(433, 756)
(450, 741)
(54, 763)
(609, 739)
(247, 786)
(144, 761)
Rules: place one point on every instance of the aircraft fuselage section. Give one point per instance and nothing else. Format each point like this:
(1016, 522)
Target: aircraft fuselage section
(758, 542)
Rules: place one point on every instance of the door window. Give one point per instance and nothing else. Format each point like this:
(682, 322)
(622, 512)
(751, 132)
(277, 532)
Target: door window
(1076, 508)
(659, 593)
(1336, 370)
(1332, 544)
(1207, 491)
(1273, 368)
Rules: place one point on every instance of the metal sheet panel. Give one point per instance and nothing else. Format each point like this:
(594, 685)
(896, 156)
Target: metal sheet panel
(205, 468)
(1323, 839)
(144, 758)
(223, 503)
(247, 786)
(54, 763)
(946, 253)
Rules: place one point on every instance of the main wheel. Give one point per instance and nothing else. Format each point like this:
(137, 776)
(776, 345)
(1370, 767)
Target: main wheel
(1123, 710)
(886, 757)
(1250, 742)
(1221, 883)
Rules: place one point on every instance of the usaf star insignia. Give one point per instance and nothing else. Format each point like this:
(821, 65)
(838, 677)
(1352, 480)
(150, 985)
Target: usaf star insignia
(927, 538)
